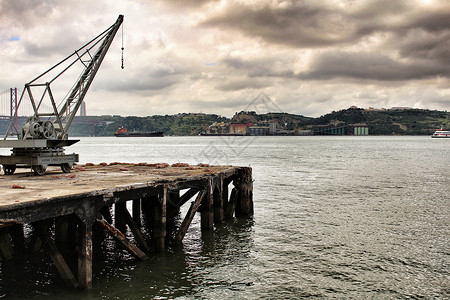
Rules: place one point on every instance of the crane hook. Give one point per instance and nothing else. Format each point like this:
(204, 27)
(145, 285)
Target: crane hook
(122, 59)
(122, 49)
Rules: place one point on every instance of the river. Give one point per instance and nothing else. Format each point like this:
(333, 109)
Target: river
(335, 217)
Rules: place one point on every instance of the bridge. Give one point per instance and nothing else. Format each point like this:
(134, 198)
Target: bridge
(9, 102)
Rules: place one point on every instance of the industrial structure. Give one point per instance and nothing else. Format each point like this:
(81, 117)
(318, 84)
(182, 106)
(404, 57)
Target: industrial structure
(41, 140)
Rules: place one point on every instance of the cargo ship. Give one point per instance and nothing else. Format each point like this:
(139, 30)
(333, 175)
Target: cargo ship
(123, 132)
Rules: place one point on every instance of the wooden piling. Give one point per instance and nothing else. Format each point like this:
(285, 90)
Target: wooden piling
(218, 201)
(207, 208)
(85, 256)
(244, 186)
(159, 220)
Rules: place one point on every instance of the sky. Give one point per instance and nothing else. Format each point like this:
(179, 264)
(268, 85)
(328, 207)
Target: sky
(215, 56)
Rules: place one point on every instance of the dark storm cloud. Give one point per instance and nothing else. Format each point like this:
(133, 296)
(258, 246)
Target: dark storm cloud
(432, 21)
(425, 45)
(297, 25)
(419, 35)
(370, 66)
(302, 24)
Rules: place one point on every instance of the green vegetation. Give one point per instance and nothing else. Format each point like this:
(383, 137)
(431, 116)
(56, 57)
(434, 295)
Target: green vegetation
(389, 122)
(181, 124)
(380, 122)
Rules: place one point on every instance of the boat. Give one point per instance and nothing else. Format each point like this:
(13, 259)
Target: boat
(441, 133)
(123, 132)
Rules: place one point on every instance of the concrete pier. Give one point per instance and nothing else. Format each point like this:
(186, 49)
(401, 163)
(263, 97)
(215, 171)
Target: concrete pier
(60, 206)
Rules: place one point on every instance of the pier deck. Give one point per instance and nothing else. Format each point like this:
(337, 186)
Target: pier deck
(59, 206)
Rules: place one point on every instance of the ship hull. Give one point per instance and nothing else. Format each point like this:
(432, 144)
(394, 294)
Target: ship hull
(140, 134)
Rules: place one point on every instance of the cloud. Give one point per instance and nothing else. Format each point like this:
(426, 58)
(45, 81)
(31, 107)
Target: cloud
(299, 24)
(304, 24)
(260, 67)
(245, 83)
(370, 66)
(216, 55)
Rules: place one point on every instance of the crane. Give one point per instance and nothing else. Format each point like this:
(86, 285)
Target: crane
(41, 140)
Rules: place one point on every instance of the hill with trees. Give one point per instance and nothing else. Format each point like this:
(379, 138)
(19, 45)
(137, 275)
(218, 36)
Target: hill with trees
(380, 122)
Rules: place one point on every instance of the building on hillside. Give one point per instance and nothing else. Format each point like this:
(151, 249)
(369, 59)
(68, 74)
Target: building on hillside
(258, 130)
(273, 127)
(238, 128)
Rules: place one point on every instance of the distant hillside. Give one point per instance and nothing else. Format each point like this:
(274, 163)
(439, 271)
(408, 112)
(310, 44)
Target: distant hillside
(380, 122)
(292, 121)
(388, 122)
(180, 124)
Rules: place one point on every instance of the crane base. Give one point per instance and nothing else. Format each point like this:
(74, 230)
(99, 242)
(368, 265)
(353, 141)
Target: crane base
(37, 159)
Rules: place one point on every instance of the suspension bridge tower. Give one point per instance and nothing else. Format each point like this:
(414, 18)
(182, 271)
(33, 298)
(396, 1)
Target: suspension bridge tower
(13, 105)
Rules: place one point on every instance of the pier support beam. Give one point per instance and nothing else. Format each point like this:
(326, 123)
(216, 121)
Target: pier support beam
(55, 255)
(189, 216)
(159, 220)
(244, 185)
(207, 208)
(87, 211)
(64, 222)
(119, 236)
(218, 201)
(85, 256)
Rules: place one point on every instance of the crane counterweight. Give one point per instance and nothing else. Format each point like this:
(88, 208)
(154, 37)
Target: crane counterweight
(41, 140)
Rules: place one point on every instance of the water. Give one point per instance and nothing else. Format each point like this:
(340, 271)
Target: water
(335, 217)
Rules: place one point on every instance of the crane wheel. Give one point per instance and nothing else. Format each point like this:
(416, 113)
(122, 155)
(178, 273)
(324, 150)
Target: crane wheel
(39, 169)
(9, 169)
(66, 168)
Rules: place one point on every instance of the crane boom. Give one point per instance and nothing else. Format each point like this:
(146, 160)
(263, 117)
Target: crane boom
(59, 120)
(39, 142)
(79, 91)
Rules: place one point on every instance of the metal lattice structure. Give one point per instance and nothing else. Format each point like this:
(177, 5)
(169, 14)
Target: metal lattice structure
(41, 139)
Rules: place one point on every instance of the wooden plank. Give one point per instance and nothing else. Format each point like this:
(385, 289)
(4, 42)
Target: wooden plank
(134, 228)
(55, 255)
(189, 216)
(119, 236)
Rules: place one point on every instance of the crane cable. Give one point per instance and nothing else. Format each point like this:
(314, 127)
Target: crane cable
(122, 48)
